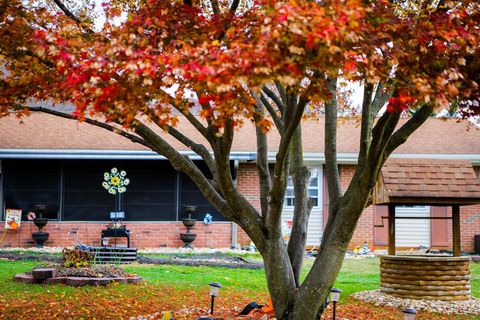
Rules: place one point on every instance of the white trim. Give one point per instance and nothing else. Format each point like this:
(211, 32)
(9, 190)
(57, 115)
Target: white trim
(313, 158)
(103, 154)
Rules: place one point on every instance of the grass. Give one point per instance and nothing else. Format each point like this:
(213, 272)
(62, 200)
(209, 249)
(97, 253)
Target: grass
(172, 287)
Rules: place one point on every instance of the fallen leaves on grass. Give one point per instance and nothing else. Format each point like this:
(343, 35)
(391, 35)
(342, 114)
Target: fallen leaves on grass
(125, 301)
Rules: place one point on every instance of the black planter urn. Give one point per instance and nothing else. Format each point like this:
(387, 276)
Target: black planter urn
(40, 237)
(189, 222)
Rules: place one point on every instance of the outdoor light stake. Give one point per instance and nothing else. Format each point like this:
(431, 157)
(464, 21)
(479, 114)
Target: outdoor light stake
(214, 289)
(335, 296)
(409, 314)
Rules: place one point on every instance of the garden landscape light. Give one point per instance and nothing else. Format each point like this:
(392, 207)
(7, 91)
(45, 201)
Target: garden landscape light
(335, 296)
(409, 314)
(214, 289)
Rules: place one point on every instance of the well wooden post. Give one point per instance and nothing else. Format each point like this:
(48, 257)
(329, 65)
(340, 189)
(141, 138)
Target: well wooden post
(391, 229)
(457, 250)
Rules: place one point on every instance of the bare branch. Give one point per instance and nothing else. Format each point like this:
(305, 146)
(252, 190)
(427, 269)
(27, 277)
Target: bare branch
(381, 97)
(262, 159)
(367, 124)
(274, 97)
(402, 134)
(69, 14)
(234, 6)
(273, 113)
(185, 165)
(215, 7)
(331, 164)
(283, 94)
(97, 123)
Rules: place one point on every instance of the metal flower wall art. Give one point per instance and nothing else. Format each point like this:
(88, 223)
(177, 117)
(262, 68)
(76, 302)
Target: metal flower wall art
(115, 181)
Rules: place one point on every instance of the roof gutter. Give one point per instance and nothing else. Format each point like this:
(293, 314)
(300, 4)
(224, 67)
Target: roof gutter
(352, 158)
(105, 154)
(309, 157)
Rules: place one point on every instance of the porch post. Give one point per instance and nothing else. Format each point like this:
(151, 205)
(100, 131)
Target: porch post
(391, 229)
(456, 230)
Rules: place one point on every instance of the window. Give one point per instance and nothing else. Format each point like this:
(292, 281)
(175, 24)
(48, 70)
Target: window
(72, 190)
(29, 183)
(151, 194)
(84, 196)
(191, 195)
(313, 188)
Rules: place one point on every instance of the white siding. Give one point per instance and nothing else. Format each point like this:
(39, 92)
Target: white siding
(415, 232)
(315, 223)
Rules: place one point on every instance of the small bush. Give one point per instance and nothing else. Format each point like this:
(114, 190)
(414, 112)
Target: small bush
(75, 258)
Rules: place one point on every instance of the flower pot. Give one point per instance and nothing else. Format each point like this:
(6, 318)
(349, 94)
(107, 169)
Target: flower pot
(40, 238)
(187, 239)
(190, 210)
(40, 222)
(189, 223)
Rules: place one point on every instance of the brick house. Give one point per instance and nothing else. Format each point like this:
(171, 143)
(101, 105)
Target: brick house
(60, 163)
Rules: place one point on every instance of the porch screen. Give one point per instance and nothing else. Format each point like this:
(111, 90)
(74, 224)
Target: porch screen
(191, 195)
(151, 194)
(84, 197)
(28, 183)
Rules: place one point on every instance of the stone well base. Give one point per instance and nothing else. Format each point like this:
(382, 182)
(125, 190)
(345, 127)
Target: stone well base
(426, 277)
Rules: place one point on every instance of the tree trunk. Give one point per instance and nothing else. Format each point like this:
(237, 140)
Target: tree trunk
(280, 278)
(303, 205)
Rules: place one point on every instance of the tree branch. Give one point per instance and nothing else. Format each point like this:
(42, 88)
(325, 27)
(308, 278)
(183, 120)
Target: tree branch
(277, 192)
(333, 175)
(381, 97)
(273, 113)
(262, 159)
(366, 125)
(215, 7)
(69, 14)
(274, 97)
(96, 123)
(402, 134)
(282, 92)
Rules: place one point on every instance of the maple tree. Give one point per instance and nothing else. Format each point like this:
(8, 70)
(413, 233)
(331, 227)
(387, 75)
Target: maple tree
(218, 64)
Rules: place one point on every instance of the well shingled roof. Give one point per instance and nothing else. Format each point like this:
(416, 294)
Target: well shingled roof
(427, 181)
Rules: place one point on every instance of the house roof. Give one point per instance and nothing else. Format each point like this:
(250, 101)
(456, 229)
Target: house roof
(47, 135)
(427, 182)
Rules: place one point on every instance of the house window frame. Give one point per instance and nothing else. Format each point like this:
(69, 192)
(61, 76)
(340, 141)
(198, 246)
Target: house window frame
(318, 187)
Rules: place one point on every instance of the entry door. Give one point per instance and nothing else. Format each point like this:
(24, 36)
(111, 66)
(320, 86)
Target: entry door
(414, 232)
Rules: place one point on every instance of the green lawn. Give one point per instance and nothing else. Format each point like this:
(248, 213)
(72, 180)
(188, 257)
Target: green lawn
(172, 287)
(355, 275)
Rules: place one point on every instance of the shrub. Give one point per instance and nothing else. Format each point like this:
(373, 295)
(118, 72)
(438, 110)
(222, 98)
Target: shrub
(75, 258)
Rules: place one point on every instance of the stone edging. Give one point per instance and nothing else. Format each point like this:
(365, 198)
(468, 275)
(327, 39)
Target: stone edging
(471, 306)
(77, 281)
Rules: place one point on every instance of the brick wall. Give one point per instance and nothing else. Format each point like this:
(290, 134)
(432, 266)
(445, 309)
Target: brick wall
(217, 235)
(144, 234)
(364, 230)
(248, 184)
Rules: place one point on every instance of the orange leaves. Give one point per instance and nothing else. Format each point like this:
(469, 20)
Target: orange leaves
(402, 101)
(165, 50)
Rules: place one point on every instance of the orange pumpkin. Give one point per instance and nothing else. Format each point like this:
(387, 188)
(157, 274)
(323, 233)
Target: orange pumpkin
(13, 225)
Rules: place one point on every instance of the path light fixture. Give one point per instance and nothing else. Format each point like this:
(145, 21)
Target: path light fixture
(334, 297)
(409, 314)
(214, 289)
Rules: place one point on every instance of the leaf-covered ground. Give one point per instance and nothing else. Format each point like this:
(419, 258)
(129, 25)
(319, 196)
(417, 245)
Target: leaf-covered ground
(183, 290)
